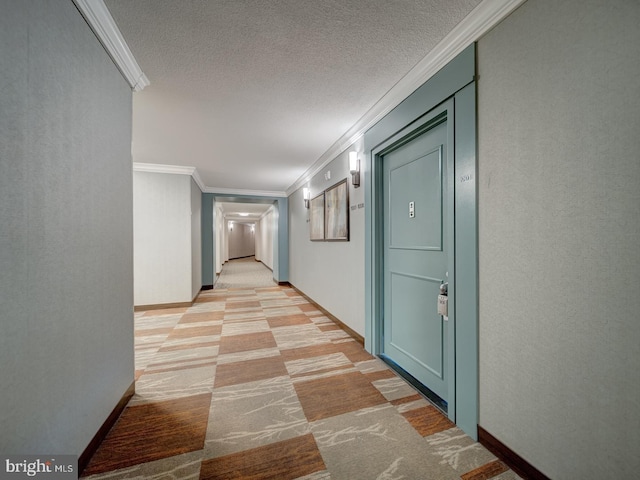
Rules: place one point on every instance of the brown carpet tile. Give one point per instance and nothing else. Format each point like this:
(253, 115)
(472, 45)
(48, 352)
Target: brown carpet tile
(256, 383)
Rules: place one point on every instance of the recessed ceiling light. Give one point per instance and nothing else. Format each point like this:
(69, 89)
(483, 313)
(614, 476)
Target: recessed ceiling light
(243, 214)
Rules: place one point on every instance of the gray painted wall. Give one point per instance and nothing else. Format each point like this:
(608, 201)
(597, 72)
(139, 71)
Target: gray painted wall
(196, 238)
(559, 220)
(242, 241)
(264, 238)
(167, 238)
(281, 245)
(206, 245)
(162, 238)
(331, 273)
(66, 283)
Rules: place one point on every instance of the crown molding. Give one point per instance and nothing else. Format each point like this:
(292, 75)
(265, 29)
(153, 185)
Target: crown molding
(101, 22)
(249, 193)
(479, 21)
(193, 172)
(171, 169)
(267, 212)
(196, 178)
(160, 168)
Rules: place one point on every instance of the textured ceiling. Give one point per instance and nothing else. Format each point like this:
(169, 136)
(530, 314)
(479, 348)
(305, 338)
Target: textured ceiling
(252, 93)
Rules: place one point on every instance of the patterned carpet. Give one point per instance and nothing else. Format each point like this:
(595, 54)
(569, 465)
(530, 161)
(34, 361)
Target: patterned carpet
(257, 383)
(244, 273)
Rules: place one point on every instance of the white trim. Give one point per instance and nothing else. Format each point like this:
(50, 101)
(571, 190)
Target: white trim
(101, 22)
(479, 21)
(193, 172)
(267, 212)
(159, 168)
(250, 193)
(196, 178)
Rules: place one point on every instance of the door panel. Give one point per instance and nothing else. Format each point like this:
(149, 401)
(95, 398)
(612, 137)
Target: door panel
(416, 258)
(405, 183)
(422, 343)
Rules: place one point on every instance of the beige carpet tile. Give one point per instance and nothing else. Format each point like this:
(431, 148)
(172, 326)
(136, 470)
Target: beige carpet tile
(256, 382)
(202, 317)
(189, 331)
(271, 412)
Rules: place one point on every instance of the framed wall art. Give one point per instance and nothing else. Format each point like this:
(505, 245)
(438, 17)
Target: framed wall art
(316, 218)
(336, 212)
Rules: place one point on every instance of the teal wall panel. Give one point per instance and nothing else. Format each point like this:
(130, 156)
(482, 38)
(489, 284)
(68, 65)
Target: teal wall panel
(281, 260)
(208, 240)
(455, 80)
(466, 270)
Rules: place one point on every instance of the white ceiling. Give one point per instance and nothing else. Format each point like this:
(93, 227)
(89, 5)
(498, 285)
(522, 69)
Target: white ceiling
(253, 93)
(243, 212)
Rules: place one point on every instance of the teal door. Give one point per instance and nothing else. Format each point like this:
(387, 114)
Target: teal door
(418, 226)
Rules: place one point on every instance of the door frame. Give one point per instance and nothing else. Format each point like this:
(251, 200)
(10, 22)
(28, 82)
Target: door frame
(441, 114)
(452, 88)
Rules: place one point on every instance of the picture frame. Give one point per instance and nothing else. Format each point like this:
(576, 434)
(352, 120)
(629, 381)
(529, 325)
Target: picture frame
(336, 212)
(316, 218)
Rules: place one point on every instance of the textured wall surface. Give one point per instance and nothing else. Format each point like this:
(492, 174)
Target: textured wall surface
(331, 273)
(207, 247)
(242, 241)
(196, 238)
(66, 348)
(162, 238)
(221, 252)
(264, 239)
(559, 116)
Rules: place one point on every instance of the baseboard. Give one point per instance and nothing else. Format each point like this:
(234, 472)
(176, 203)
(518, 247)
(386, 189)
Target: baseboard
(206, 287)
(515, 462)
(108, 424)
(163, 306)
(352, 333)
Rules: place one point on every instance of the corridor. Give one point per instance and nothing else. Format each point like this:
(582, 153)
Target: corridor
(258, 383)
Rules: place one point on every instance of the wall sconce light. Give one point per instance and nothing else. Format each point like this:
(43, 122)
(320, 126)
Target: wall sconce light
(354, 168)
(306, 195)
